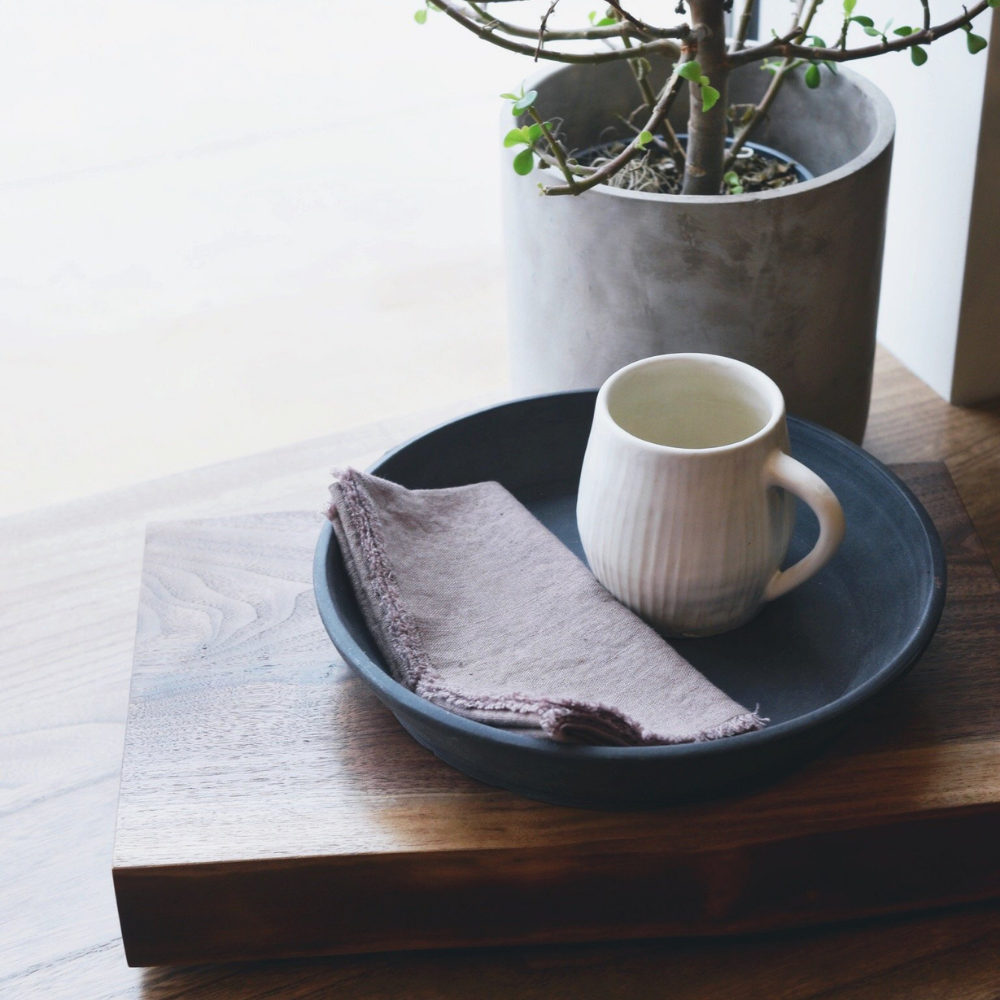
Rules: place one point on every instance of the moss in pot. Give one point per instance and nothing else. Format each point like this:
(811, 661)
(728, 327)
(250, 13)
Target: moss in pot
(608, 267)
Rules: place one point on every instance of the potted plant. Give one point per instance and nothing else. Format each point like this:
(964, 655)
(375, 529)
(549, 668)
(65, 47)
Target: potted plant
(676, 190)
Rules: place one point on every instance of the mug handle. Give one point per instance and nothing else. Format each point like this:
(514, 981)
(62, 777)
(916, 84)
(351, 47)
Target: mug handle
(783, 470)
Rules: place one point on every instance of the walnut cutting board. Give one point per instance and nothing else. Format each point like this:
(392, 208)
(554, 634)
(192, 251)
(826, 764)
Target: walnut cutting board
(270, 806)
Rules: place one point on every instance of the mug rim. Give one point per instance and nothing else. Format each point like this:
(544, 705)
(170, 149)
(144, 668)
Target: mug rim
(769, 386)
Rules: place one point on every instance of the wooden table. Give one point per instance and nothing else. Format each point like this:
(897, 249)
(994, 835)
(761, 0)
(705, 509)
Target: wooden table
(68, 595)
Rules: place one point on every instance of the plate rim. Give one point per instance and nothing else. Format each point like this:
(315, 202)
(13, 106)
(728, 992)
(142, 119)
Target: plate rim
(390, 690)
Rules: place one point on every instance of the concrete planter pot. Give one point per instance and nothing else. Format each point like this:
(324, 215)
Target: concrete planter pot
(787, 280)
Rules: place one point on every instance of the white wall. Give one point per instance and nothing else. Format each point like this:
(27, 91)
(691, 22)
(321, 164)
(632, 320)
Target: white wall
(938, 107)
(228, 225)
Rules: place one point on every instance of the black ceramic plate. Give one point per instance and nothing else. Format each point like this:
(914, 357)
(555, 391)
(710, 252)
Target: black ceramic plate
(810, 660)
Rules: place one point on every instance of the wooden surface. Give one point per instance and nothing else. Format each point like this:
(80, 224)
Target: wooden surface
(270, 806)
(69, 587)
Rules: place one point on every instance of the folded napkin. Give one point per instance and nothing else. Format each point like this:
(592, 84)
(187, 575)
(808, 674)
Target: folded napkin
(478, 608)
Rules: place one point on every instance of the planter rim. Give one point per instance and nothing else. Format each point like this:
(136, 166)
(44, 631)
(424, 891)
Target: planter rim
(885, 129)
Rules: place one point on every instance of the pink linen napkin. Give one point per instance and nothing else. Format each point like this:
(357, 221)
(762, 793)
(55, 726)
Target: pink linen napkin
(478, 608)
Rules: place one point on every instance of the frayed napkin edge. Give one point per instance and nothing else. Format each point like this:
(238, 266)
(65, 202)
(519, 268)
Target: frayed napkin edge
(559, 720)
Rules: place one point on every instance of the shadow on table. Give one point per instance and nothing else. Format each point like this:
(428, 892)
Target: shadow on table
(928, 955)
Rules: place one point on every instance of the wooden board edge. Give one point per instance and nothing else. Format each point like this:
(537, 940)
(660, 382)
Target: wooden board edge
(325, 906)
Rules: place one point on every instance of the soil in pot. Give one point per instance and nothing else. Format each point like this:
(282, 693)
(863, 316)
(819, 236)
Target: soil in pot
(756, 168)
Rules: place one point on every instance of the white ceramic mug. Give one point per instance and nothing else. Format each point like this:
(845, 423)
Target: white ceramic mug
(683, 509)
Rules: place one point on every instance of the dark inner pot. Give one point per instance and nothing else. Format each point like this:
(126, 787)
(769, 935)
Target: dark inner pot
(655, 170)
(822, 129)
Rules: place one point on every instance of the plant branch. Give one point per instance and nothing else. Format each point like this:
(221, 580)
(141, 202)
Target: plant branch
(620, 30)
(658, 115)
(674, 146)
(758, 113)
(461, 14)
(796, 29)
(643, 28)
(842, 39)
(786, 46)
(772, 90)
(517, 31)
(543, 26)
(556, 146)
(576, 169)
(640, 78)
(706, 140)
(746, 16)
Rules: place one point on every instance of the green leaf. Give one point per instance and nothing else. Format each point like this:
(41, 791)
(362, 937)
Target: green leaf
(691, 72)
(874, 32)
(510, 97)
(731, 177)
(975, 43)
(849, 6)
(421, 16)
(812, 76)
(523, 103)
(918, 55)
(524, 162)
(994, 3)
(865, 22)
(515, 137)
(602, 23)
(534, 132)
(903, 30)
(645, 138)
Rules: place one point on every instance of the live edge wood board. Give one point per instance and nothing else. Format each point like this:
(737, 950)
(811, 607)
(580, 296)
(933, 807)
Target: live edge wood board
(270, 806)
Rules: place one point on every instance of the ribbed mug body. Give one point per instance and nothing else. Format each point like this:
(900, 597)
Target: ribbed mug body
(689, 539)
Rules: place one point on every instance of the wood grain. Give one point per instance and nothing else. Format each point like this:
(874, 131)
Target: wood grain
(258, 770)
(910, 423)
(69, 586)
